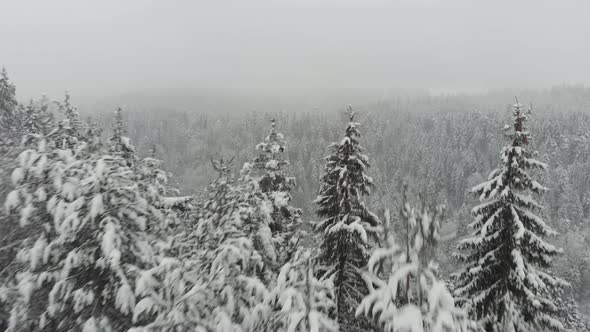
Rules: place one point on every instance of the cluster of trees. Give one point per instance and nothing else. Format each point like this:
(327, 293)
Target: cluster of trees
(95, 238)
(439, 145)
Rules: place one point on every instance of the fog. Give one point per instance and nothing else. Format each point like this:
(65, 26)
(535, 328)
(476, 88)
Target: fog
(295, 165)
(289, 48)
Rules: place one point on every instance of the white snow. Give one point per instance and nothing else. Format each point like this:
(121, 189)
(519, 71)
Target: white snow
(72, 260)
(41, 194)
(82, 298)
(37, 251)
(518, 224)
(17, 176)
(126, 141)
(171, 202)
(125, 300)
(68, 191)
(264, 235)
(281, 198)
(145, 282)
(146, 305)
(96, 206)
(26, 287)
(12, 201)
(25, 214)
(272, 164)
(90, 325)
(109, 239)
(100, 169)
(409, 319)
(24, 157)
(519, 262)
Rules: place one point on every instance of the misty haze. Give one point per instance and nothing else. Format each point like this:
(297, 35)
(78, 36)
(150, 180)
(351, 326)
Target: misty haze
(295, 165)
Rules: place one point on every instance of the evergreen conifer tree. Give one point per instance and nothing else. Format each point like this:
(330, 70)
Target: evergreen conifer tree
(8, 106)
(270, 171)
(347, 223)
(36, 118)
(87, 238)
(71, 128)
(506, 283)
(120, 144)
(17, 124)
(214, 278)
(152, 180)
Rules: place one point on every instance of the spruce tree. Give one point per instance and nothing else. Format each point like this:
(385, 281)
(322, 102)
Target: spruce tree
(69, 111)
(17, 124)
(88, 236)
(506, 282)
(269, 170)
(36, 118)
(71, 128)
(347, 222)
(120, 144)
(8, 106)
(214, 278)
(151, 178)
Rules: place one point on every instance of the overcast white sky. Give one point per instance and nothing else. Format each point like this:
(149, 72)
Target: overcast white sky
(97, 48)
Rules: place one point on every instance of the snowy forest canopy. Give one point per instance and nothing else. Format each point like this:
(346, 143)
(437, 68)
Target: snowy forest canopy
(152, 220)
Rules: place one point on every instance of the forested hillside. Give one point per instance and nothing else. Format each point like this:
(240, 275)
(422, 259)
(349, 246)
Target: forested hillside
(153, 220)
(440, 146)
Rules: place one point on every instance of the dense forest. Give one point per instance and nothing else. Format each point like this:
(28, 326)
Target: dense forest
(422, 213)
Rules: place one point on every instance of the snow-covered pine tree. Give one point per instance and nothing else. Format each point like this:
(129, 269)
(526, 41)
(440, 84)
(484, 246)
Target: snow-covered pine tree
(270, 171)
(404, 291)
(214, 278)
(151, 178)
(69, 111)
(8, 136)
(16, 122)
(120, 144)
(94, 133)
(72, 129)
(88, 239)
(347, 223)
(506, 283)
(155, 187)
(36, 118)
(300, 301)
(8, 105)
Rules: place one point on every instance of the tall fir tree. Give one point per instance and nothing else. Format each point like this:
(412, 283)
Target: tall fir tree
(347, 223)
(36, 118)
(120, 144)
(17, 125)
(506, 283)
(71, 128)
(151, 178)
(8, 105)
(271, 173)
(8, 153)
(87, 237)
(214, 278)
(8, 134)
